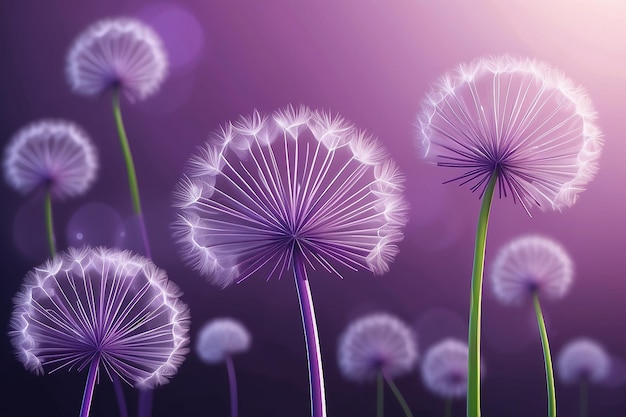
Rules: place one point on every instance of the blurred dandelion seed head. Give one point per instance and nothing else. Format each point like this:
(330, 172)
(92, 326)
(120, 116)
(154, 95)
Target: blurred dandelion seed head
(297, 182)
(376, 343)
(444, 368)
(89, 303)
(119, 53)
(519, 118)
(583, 359)
(221, 338)
(54, 154)
(531, 264)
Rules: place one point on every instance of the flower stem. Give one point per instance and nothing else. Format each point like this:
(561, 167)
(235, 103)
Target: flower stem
(144, 408)
(49, 224)
(547, 358)
(316, 375)
(584, 398)
(89, 386)
(399, 397)
(232, 383)
(119, 395)
(448, 410)
(473, 377)
(380, 404)
(130, 169)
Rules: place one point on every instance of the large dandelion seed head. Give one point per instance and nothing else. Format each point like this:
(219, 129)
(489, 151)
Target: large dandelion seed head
(221, 338)
(300, 183)
(531, 264)
(444, 368)
(376, 343)
(86, 303)
(519, 118)
(53, 154)
(583, 359)
(119, 53)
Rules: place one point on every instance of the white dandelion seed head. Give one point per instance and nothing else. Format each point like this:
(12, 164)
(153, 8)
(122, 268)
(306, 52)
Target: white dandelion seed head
(376, 343)
(117, 53)
(531, 264)
(444, 368)
(54, 154)
(221, 338)
(257, 205)
(518, 118)
(583, 359)
(89, 302)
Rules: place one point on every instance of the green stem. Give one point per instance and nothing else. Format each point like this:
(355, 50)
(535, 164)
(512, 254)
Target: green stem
(380, 405)
(399, 397)
(473, 365)
(128, 157)
(448, 412)
(547, 358)
(49, 225)
(584, 398)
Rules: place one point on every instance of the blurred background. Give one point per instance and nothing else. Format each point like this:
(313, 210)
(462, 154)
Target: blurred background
(371, 61)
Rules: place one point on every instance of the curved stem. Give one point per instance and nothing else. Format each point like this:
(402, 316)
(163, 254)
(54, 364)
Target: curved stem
(547, 358)
(399, 397)
(144, 408)
(380, 395)
(49, 224)
(448, 411)
(316, 375)
(584, 398)
(130, 169)
(473, 377)
(89, 387)
(119, 395)
(232, 383)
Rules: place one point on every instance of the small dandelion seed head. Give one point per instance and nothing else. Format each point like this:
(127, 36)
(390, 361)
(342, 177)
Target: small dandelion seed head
(531, 264)
(518, 118)
(444, 368)
(376, 343)
(119, 53)
(100, 302)
(221, 338)
(51, 154)
(583, 359)
(317, 188)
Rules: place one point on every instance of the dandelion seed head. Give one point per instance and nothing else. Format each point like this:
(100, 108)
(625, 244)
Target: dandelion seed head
(221, 338)
(117, 53)
(583, 359)
(318, 188)
(376, 343)
(54, 154)
(518, 118)
(91, 302)
(531, 264)
(444, 368)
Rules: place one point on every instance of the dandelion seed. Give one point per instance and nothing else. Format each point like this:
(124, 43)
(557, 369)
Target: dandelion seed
(54, 156)
(218, 341)
(121, 53)
(101, 309)
(300, 190)
(378, 346)
(517, 125)
(583, 361)
(529, 267)
(444, 370)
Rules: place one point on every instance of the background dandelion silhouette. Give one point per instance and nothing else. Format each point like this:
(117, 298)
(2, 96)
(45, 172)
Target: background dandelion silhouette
(370, 61)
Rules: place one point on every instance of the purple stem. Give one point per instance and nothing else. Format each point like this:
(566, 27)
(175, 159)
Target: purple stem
(145, 403)
(316, 376)
(89, 386)
(232, 383)
(119, 395)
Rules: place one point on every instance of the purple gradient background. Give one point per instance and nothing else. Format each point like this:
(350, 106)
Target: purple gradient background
(370, 61)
